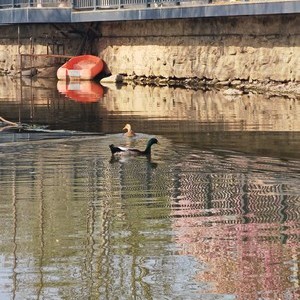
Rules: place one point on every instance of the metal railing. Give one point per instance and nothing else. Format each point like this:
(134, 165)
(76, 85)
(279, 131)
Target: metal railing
(34, 3)
(97, 4)
(111, 4)
(104, 4)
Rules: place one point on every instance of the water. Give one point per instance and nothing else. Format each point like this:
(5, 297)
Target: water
(214, 214)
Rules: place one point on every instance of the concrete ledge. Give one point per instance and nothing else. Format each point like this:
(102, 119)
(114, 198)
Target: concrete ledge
(67, 15)
(35, 15)
(181, 12)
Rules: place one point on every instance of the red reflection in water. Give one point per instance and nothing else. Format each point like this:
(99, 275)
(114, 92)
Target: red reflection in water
(81, 91)
(251, 261)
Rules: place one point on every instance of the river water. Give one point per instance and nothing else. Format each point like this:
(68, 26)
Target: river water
(214, 214)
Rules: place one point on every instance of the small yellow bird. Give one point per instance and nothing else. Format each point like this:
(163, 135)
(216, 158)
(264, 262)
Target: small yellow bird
(129, 132)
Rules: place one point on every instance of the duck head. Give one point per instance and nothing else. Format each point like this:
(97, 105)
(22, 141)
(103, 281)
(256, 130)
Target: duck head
(128, 127)
(151, 142)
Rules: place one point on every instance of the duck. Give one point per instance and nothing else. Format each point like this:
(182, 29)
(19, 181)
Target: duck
(129, 132)
(132, 151)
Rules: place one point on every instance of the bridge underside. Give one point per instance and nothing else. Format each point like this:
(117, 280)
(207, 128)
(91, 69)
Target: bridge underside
(69, 15)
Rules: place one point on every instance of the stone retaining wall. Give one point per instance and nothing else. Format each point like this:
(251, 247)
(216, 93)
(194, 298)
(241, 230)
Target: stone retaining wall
(36, 39)
(253, 48)
(223, 49)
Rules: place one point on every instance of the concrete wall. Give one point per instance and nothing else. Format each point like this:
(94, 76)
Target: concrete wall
(249, 48)
(37, 39)
(252, 48)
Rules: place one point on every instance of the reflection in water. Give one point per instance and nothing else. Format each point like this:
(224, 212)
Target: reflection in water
(240, 218)
(214, 214)
(167, 110)
(184, 224)
(208, 110)
(248, 123)
(82, 91)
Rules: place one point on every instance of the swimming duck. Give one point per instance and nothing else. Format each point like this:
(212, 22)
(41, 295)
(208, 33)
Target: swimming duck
(129, 132)
(132, 151)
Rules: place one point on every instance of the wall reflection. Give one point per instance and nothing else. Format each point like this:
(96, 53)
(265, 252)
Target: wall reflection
(234, 113)
(75, 223)
(241, 224)
(192, 221)
(193, 111)
(71, 224)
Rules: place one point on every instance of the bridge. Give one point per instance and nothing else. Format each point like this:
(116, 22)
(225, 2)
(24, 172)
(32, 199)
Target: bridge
(76, 11)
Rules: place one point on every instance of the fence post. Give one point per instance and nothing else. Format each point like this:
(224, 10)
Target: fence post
(121, 4)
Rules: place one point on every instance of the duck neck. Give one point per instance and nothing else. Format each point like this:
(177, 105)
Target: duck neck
(148, 149)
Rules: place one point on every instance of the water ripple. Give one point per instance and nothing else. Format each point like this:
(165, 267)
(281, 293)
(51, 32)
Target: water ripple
(194, 220)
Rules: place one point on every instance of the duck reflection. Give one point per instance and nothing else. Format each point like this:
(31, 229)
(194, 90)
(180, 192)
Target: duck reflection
(130, 159)
(134, 168)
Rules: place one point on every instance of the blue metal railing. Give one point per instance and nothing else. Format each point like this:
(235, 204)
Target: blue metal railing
(110, 4)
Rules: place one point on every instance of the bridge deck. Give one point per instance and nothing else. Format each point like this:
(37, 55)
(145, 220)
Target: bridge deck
(56, 11)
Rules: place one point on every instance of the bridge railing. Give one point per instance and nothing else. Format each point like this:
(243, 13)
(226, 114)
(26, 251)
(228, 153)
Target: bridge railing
(104, 4)
(97, 4)
(33, 3)
(111, 4)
